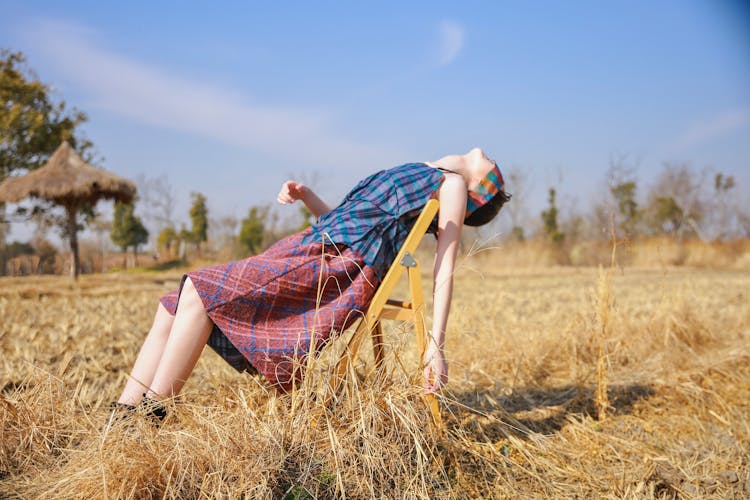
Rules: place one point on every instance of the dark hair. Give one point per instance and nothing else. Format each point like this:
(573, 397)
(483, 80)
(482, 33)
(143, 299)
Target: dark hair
(488, 211)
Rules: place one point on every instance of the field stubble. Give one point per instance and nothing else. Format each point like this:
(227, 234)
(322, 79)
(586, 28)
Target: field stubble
(520, 410)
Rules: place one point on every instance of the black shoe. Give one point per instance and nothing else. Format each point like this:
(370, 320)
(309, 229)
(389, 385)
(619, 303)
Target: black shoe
(119, 412)
(122, 409)
(153, 409)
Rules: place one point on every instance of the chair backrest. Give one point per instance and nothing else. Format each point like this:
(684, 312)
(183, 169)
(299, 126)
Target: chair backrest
(400, 262)
(402, 310)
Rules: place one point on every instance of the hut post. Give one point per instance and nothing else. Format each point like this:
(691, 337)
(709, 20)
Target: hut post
(75, 264)
(3, 259)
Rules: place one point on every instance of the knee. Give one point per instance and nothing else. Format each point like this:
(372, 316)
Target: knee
(163, 317)
(189, 298)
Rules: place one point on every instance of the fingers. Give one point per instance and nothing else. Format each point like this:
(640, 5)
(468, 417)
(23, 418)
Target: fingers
(428, 380)
(284, 198)
(290, 192)
(434, 380)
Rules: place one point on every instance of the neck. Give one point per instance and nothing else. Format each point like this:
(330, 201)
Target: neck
(472, 166)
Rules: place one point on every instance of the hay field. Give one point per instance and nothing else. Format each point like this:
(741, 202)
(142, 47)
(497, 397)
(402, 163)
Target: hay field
(520, 412)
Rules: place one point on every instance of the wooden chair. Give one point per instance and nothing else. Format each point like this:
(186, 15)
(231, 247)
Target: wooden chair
(383, 307)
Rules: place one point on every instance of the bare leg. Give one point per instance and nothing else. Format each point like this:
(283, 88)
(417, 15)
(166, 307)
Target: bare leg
(148, 358)
(188, 336)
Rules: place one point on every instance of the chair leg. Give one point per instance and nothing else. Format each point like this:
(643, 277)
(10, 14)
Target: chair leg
(339, 372)
(417, 304)
(376, 332)
(415, 288)
(377, 345)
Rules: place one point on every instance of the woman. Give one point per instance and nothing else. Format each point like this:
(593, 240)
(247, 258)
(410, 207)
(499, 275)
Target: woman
(260, 313)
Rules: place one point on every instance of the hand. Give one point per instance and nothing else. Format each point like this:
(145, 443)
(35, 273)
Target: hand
(291, 191)
(435, 370)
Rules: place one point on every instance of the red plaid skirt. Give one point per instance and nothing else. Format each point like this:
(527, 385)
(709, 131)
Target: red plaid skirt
(266, 307)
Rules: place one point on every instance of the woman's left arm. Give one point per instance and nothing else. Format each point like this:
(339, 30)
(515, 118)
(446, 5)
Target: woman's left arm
(292, 191)
(452, 196)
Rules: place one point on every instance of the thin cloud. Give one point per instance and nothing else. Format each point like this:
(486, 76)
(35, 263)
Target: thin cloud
(451, 41)
(711, 128)
(150, 95)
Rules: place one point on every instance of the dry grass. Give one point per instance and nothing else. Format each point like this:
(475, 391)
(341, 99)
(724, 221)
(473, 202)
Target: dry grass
(640, 252)
(519, 411)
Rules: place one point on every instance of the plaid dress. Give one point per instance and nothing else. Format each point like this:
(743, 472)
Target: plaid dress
(268, 308)
(376, 216)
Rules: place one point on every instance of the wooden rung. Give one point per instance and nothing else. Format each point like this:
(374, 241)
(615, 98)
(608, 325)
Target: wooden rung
(397, 314)
(377, 345)
(398, 303)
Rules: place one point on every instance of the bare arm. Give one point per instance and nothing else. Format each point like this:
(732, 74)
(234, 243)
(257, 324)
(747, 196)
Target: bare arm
(292, 191)
(452, 195)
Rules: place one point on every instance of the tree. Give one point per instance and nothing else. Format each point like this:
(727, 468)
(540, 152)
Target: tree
(743, 221)
(47, 253)
(140, 237)
(102, 228)
(619, 204)
(627, 206)
(518, 185)
(32, 125)
(307, 218)
(119, 233)
(199, 219)
(549, 217)
(721, 215)
(183, 238)
(13, 250)
(676, 201)
(666, 215)
(156, 197)
(19, 248)
(167, 238)
(252, 229)
(127, 229)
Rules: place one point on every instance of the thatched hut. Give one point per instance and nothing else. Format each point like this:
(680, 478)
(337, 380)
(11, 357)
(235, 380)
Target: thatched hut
(70, 182)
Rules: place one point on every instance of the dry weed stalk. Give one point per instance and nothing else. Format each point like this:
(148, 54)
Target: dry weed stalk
(603, 311)
(603, 306)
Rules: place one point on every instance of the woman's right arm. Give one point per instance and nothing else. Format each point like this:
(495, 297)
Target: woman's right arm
(452, 195)
(292, 191)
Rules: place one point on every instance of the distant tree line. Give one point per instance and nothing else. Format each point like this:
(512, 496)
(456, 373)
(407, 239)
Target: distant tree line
(682, 202)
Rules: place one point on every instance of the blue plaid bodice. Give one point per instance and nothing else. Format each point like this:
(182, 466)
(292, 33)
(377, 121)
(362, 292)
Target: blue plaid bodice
(377, 215)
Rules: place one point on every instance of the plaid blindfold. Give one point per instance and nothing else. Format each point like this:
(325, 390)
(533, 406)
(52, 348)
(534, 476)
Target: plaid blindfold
(487, 188)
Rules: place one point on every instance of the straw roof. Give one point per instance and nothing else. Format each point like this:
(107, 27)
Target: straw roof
(66, 179)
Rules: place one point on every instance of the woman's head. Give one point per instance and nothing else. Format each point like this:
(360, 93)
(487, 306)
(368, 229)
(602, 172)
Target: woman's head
(487, 196)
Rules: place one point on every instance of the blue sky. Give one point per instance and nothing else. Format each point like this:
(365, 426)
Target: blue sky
(230, 99)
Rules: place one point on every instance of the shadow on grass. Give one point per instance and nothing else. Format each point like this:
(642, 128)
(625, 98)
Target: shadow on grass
(168, 265)
(542, 410)
(161, 266)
